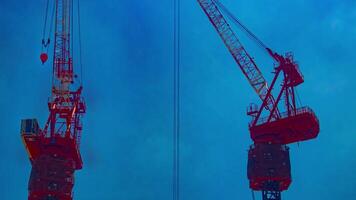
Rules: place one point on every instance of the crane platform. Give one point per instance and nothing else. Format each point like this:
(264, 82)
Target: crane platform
(59, 146)
(289, 128)
(53, 159)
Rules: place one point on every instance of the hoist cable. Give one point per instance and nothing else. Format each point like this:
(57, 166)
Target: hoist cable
(45, 38)
(71, 27)
(44, 28)
(45, 21)
(80, 45)
(52, 20)
(176, 99)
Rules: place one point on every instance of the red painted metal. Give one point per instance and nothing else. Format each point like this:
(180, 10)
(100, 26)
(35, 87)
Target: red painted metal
(43, 57)
(275, 129)
(238, 52)
(269, 163)
(301, 126)
(54, 150)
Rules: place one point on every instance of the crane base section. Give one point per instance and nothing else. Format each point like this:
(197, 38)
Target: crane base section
(268, 167)
(37, 144)
(271, 195)
(301, 126)
(52, 178)
(54, 160)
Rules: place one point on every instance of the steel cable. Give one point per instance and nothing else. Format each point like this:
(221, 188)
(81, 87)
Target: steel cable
(176, 99)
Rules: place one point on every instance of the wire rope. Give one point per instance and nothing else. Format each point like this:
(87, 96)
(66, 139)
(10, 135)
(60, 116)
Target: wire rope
(176, 100)
(80, 45)
(241, 26)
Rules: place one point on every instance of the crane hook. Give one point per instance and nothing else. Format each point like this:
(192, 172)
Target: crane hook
(43, 57)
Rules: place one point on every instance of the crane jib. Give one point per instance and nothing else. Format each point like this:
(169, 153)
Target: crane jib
(236, 49)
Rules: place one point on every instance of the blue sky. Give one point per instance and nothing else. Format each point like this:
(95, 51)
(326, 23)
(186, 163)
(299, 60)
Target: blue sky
(127, 137)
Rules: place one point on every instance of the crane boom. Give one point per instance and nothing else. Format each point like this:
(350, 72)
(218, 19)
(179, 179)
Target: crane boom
(238, 52)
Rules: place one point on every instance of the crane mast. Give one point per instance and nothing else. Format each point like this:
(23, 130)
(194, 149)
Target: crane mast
(54, 150)
(268, 168)
(62, 65)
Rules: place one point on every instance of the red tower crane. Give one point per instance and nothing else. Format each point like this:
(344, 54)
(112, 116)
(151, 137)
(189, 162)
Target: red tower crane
(268, 167)
(54, 150)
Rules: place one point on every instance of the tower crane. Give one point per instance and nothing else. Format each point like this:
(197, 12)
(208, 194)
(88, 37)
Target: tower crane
(54, 150)
(278, 121)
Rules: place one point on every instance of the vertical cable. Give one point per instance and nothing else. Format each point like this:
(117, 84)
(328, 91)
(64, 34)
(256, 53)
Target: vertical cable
(80, 46)
(45, 41)
(52, 19)
(56, 23)
(253, 195)
(176, 98)
(45, 21)
(71, 36)
(51, 25)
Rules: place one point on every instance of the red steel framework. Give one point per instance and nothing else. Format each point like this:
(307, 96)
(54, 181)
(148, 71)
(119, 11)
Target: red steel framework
(268, 167)
(54, 150)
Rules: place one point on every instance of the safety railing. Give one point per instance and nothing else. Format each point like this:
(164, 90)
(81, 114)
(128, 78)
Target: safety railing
(284, 115)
